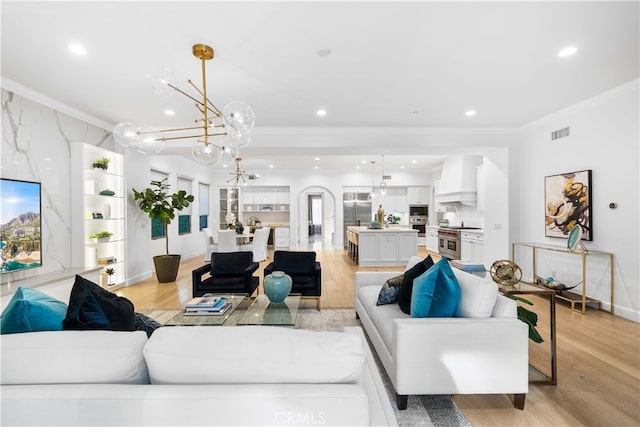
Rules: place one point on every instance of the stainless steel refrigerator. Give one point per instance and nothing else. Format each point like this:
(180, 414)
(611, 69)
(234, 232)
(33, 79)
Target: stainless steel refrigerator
(356, 211)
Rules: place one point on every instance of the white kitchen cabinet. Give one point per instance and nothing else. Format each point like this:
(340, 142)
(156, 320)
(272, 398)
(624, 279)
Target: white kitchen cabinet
(281, 240)
(418, 195)
(98, 198)
(436, 200)
(388, 246)
(432, 238)
(472, 247)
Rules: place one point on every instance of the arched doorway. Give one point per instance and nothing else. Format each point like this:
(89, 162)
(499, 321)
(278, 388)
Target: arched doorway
(316, 218)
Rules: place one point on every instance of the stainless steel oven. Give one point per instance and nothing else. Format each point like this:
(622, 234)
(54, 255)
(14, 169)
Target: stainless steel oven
(449, 243)
(419, 223)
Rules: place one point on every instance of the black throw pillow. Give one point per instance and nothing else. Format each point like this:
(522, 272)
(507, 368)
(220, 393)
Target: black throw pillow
(91, 307)
(406, 288)
(146, 324)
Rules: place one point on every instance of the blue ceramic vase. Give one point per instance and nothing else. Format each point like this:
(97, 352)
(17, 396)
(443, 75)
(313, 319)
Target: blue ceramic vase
(277, 286)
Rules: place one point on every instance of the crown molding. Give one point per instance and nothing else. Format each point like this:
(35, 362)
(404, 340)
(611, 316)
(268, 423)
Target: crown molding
(47, 101)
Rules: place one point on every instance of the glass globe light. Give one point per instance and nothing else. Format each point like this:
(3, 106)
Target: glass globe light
(206, 154)
(148, 141)
(229, 154)
(239, 116)
(159, 81)
(239, 139)
(125, 134)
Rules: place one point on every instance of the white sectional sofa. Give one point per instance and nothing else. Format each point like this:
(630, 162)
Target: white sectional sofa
(483, 354)
(184, 376)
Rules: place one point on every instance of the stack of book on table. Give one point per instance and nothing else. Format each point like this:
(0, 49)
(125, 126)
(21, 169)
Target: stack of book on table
(207, 306)
(468, 266)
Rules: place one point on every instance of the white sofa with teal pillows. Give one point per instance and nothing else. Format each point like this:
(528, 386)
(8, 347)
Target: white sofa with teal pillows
(456, 335)
(179, 376)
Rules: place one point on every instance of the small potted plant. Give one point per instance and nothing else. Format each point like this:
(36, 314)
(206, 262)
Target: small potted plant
(110, 272)
(101, 236)
(102, 163)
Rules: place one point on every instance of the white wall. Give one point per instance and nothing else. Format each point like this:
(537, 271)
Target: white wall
(36, 146)
(604, 138)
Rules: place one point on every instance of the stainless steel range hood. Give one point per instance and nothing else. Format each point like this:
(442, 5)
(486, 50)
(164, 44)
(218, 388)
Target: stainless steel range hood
(458, 183)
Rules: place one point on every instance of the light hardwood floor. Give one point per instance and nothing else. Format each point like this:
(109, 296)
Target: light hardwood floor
(598, 354)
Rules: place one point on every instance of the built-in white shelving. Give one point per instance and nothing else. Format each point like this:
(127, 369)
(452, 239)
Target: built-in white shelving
(98, 202)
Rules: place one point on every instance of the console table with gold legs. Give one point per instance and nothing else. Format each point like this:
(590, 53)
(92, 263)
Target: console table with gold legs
(571, 297)
(524, 288)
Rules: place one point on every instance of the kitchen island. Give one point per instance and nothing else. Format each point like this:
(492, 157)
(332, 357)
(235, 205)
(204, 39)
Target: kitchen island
(385, 246)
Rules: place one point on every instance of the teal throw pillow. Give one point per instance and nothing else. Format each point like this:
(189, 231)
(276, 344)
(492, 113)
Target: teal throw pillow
(32, 311)
(389, 291)
(436, 292)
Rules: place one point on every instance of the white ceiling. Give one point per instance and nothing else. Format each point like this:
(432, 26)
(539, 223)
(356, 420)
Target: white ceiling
(388, 60)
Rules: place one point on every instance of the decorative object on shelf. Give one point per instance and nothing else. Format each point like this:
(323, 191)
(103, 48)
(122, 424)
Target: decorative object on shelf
(232, 124)
(568, 203)
(107, 211)
(107, 192)
(575, 239)
(102, 163)
(101, 236)
(97, 215)
(110, 272)
(239, 228)
(230, 219)
(162, 206)
(505, 272)
(253, 221)
(552, 283)
(277, 286)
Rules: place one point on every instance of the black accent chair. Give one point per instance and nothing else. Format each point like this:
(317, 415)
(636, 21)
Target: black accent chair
(231, 273)
(305, 272)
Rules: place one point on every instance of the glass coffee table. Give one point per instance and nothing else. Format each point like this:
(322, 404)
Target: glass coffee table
(244, 311)
(264, 312)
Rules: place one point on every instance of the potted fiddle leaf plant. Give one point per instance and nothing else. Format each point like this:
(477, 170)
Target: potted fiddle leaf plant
(161, 205)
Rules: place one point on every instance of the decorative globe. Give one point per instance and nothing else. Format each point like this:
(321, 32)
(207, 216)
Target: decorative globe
(277, 286)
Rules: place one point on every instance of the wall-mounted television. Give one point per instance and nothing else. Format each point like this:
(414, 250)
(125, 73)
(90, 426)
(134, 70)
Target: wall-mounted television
(20, 230)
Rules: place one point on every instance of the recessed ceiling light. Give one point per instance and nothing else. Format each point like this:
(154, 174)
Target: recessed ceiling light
(77, 48)
(364, 162)
(316, 158)
(402, 167)
(357, 167)
(169, 112)
(316, 167)
(321, 113)
(323, 52)
(271, 166)
(225, 165)
(414, 162)
(567, 51)
(470, 113)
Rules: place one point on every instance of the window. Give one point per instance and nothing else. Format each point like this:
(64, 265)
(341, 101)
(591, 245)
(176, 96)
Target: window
(203, 205)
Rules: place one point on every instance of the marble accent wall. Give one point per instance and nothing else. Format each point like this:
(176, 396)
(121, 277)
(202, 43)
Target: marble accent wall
(36, 146)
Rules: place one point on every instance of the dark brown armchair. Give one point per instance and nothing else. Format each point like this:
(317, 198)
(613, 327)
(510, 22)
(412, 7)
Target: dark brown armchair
(230, 273)
(304, 270)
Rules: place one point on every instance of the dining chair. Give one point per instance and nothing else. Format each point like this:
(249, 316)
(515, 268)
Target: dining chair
(227, 241)
(210, 243)
(259, 244)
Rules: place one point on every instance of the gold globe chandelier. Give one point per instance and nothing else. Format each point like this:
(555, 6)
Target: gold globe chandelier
(229, 127)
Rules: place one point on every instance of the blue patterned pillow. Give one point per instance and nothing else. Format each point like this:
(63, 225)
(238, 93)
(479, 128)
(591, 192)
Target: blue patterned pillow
(389, 292)
(436, 292)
